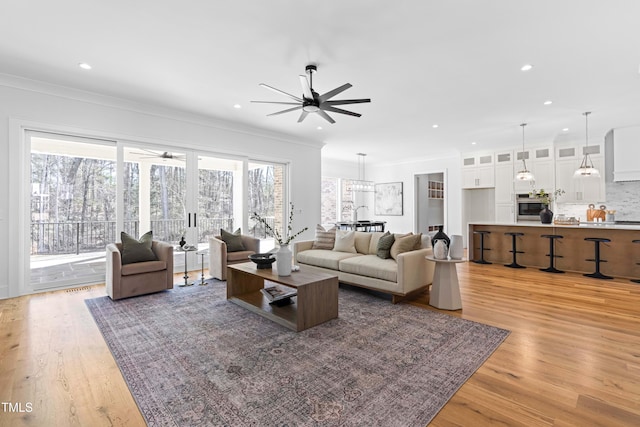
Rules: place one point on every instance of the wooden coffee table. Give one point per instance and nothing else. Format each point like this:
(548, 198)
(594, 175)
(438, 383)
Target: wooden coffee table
(316, 302)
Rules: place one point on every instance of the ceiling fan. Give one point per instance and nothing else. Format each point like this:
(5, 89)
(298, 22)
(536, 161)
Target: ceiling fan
(152, 154)
(312, 102)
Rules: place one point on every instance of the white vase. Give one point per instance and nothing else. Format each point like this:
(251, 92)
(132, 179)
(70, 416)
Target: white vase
(455, 247)
(283, 261)
(440, 250)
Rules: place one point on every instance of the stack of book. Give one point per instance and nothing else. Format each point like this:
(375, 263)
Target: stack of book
(278, 296)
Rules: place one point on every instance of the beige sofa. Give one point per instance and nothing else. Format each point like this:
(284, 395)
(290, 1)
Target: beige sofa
(410, 274)
(123, 281)
(219, 257)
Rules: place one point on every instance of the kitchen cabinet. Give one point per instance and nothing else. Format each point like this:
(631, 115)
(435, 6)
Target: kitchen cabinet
(540, 163)
(579, 190)
(504, 178)
(478, 171)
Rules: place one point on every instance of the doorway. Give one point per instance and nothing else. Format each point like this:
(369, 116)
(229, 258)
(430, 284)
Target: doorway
(430, 202)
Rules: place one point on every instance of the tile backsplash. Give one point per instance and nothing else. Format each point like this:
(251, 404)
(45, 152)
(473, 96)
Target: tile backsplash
(623, 197)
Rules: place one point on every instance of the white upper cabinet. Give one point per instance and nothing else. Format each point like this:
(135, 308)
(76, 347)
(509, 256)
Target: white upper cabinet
(478, 171)
(581, 190)
(626, 151)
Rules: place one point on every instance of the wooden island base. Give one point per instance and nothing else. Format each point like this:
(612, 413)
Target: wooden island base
(573, 252)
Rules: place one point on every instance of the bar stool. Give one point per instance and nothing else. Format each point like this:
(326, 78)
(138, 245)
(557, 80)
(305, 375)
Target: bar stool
(514, 251)
(597, 259)
(552, 255)
(637, 263)
(482, 248)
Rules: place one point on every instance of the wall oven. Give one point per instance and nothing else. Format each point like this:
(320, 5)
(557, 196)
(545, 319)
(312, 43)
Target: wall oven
(528, 209)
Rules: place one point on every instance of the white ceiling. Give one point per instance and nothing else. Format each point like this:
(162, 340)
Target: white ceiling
(455, 63)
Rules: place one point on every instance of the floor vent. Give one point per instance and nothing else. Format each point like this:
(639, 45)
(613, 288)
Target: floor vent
(83, 288)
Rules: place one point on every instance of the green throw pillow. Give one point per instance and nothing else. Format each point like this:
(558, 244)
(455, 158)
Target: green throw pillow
(137, 250)
(233, 240)
(384, 245)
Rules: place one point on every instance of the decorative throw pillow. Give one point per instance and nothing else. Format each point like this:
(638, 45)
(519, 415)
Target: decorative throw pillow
(325, 239)
(404, 244)
(345, 241)
(233, 240)
(384, 245)
(137, 250)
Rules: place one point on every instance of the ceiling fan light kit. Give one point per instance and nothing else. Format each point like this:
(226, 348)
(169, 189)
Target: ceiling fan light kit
(586, 169)
(311, 101)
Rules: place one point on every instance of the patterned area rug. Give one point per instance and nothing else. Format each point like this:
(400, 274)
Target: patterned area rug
(191, 358)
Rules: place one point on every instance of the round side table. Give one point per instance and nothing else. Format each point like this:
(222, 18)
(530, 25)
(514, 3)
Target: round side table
(445, 289)
(186, 275)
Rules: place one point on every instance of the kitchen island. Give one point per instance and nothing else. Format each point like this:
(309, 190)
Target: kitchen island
(621, 254)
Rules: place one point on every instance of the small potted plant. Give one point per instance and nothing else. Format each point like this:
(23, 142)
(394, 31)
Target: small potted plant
(546, 215)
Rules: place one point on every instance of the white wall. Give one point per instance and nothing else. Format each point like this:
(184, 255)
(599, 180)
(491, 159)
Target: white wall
(32, 104)
(406, 172)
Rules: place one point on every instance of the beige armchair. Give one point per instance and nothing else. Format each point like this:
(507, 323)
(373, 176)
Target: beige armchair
(219, 258)
(139, 278)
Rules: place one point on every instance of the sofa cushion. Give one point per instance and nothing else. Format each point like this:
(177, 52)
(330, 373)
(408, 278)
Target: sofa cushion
(362, 242)
(373, 244)
(371, 266)
(233, 240)
(384, 245)
(323, 258)
(143, 267)
(405, 244)
(238, 256)
(345, 241)
(325, 239)
(137, 250)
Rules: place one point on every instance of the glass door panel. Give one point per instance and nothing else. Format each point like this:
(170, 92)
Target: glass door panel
(72, 210)
(155, 186)
(266, 197)
(218, 187)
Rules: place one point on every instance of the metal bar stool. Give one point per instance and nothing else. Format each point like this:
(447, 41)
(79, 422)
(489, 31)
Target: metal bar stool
(482, 248)
(637, 263)
(552, 254)
(597, 259)
(514, 251)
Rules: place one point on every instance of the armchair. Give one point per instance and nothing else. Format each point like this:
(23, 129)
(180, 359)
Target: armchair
(123, 281)
(219, 257)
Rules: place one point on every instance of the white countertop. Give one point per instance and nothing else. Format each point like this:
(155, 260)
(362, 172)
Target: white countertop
(607, 225)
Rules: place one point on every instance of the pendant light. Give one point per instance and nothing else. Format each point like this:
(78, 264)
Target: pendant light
(524, 174)
(586, 169)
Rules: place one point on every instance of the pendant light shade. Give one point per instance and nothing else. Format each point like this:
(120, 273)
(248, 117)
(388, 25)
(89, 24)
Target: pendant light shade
(524, 174)
(586, 169)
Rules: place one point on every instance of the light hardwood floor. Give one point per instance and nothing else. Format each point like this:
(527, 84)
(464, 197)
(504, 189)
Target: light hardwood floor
(572, 359)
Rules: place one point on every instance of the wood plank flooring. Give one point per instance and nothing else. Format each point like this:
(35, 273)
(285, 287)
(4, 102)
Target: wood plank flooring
(572, 359)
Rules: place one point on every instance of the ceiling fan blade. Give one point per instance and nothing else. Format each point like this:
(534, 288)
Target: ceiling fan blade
(295, 98)
(334, 92)
(303, 115)
(347, 101)
(326, 116)
(340, 110)
(286, 111)
(306, 89)
(275, 102)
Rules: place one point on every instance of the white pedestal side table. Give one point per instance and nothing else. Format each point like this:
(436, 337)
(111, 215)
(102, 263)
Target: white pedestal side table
(445, 289)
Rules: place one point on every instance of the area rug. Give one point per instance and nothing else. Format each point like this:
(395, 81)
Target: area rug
(191, 358)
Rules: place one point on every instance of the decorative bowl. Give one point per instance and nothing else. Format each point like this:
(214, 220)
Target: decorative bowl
(263, 261)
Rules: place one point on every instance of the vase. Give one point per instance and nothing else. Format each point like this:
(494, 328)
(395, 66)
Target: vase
(440, 235)
(283, 261)
(546, 216)
(455, 247)
(440, 250)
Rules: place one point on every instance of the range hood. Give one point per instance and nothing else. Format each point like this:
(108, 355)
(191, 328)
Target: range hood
(626, 154)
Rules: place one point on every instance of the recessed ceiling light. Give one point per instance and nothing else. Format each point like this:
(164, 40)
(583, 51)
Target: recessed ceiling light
(473, 143)
(319, 128)
(435, 126)
(84, 66)
(548, 102)
(237, 106)
(526, 67)
(565, 130)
